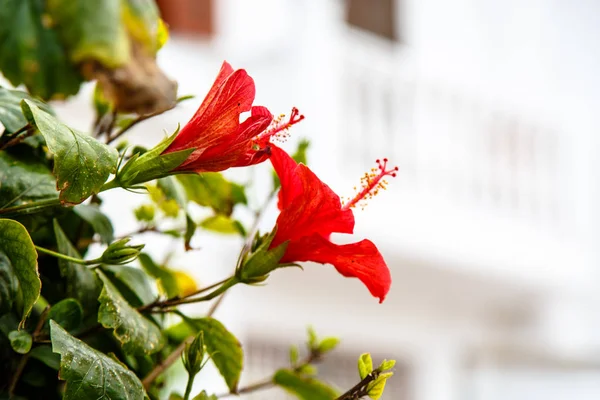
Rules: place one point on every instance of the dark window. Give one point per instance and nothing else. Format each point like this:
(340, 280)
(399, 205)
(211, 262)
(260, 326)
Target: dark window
(188, 16)
(375, 16)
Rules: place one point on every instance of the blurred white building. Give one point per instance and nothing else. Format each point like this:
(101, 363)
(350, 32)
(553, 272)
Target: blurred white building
(490, 110)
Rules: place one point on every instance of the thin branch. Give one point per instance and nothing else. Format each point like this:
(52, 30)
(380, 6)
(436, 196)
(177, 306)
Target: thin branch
(19, 136)
(360, 389)
(215, 305)
(136, 121)
(173, 301)
(266, 383)
(254, 228)
(23, 361)
(167, 362)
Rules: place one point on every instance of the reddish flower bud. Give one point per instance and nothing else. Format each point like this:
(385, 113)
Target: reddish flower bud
(311, 212)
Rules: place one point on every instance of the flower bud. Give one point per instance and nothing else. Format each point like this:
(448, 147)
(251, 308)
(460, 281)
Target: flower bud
(118, 253)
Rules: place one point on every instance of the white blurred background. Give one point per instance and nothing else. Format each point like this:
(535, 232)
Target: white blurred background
(491, 228)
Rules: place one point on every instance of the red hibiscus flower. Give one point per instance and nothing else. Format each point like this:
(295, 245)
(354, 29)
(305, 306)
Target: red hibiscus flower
(215, 133)
(311, 212)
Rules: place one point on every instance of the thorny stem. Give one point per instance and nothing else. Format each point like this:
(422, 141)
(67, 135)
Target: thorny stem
(68, 258)
(23, 361)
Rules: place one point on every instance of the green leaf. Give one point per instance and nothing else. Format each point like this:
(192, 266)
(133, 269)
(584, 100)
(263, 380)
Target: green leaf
(91, 374)
(32, 53)
(180, 331)
(300, 154)
(91, 30)
(133, 283)
(67, 313)
(173, 190)
(81, 282)
(11, 115)
(141, 17)
(312, 338)
(101, 103)
(211, 189)
(18, 248)
(169, 207)
(20, 341)
(365, 365)
(144, 213)
(293, 355)
(81, 163)
(204, 396)
(137, 334)
(44, 354)
(223, 224)
(24, 179)
(9, 284)
(328, 344)
(99, 222)
(375, 388)
(302, 387)
(166, 278)
(307, 369)
(224, 349)
(387, 364)
(190, 229)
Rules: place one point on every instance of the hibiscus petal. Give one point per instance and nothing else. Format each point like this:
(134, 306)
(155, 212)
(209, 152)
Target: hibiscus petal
(232, 149)
(285, 168)
(359, 260)
(224, 73)
(218, 116)
(307, 204)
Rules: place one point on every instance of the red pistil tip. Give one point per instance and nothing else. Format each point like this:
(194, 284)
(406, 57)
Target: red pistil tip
(278, 130)
(372, 183)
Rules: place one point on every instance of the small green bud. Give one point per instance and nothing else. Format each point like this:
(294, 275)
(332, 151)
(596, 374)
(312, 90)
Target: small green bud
(118, 253)
(328, 344)
(194, 354)
(365, 365)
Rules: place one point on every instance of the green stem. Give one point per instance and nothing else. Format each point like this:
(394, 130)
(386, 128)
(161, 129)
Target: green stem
(29, 208)
(188, 387)
(110, 185)
(175, 302)
(68, 258)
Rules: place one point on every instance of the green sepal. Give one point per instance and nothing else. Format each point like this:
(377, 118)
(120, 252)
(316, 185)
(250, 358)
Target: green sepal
(152, 164)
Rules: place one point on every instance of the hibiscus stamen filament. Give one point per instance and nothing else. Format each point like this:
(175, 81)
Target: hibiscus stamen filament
(278, 129)
(372, 182)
